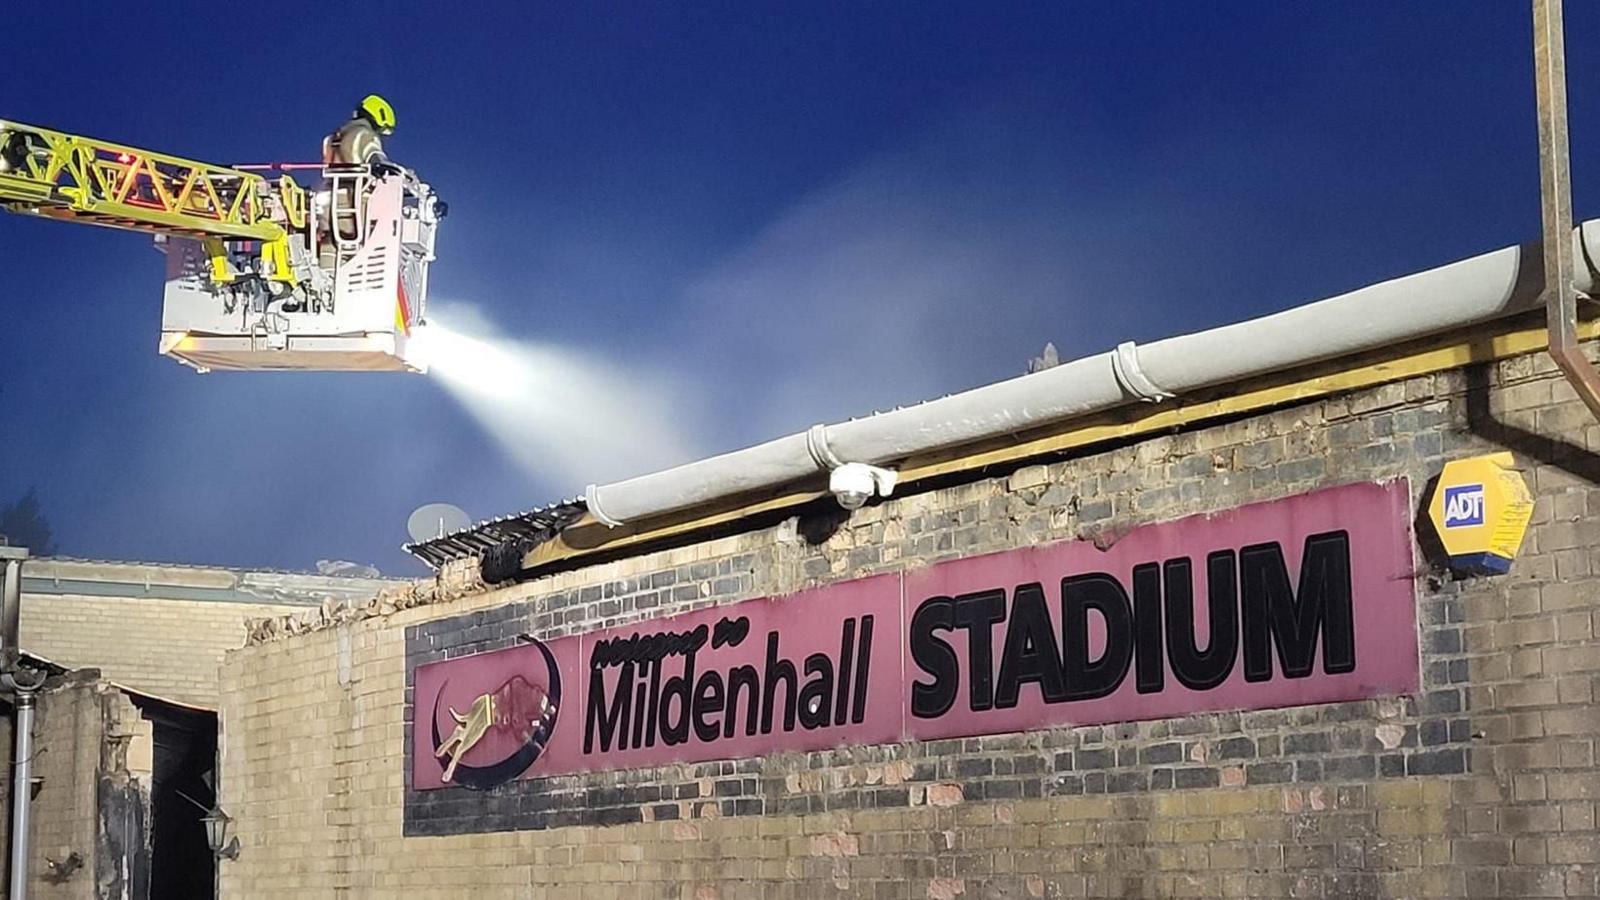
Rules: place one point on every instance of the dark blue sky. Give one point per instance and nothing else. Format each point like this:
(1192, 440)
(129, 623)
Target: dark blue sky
(764, 215)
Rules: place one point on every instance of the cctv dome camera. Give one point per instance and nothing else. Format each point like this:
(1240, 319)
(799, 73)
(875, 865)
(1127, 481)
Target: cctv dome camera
(853, 484)
(851, 499)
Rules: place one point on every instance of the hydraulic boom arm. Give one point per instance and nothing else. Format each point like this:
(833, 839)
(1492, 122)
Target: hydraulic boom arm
(79, 179)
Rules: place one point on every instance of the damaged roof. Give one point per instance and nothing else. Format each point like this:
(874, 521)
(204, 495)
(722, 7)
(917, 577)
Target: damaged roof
(515, 534)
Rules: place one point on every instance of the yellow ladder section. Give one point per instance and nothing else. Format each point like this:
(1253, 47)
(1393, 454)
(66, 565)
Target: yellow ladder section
(78, 179)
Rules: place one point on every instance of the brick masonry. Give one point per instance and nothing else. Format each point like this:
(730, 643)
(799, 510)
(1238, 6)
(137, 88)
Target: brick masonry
(170, 648)
(147, 634)
(84, 731)
(1482, 784)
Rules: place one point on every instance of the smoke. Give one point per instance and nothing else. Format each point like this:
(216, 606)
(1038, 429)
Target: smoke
(913, 274)
(562, 415)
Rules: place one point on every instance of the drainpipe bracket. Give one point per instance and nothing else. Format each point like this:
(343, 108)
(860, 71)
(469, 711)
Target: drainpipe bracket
(1125, 365)
(821, 453)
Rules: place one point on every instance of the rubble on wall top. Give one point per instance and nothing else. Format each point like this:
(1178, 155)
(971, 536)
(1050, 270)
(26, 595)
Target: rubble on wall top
(454, 580)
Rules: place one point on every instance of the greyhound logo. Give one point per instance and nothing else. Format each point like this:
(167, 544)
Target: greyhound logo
(518, 709)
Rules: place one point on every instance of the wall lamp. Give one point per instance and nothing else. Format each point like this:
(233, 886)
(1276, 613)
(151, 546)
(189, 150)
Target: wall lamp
(216, 822)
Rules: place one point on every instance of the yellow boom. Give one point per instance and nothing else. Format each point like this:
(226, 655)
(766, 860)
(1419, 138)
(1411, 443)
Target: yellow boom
(79, 179)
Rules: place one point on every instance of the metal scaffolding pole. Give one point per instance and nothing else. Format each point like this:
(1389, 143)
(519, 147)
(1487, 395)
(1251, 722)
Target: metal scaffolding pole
(1555, 188)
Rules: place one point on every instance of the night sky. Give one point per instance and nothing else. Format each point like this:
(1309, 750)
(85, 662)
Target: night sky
(763, 215)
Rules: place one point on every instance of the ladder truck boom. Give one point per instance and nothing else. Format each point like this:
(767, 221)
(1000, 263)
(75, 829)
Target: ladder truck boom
(76, 179)
(261, 274)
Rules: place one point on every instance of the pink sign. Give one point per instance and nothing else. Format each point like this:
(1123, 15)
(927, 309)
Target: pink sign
(1295, 601)
(808, 671)
(1303, 600)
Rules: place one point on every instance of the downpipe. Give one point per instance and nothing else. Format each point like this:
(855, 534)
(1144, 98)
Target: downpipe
(23, 684)
(1555, 188)
(23, 690)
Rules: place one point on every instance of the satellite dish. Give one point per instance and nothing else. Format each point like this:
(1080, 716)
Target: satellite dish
(435, 520)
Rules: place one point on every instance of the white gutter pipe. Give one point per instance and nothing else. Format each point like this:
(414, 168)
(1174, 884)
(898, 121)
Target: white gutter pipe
(1475, 290)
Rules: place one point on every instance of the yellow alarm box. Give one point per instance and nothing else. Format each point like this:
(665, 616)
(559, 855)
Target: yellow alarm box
(1480, 512)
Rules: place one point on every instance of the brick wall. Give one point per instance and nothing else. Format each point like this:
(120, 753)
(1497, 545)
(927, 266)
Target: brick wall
(82, 731)
(170, 648)
(1483, 783)
(151, 635)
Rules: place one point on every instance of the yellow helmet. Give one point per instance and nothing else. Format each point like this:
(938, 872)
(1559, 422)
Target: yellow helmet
(378, 111)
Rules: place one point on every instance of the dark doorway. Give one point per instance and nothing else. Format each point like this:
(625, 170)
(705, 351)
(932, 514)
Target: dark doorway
(182, 866)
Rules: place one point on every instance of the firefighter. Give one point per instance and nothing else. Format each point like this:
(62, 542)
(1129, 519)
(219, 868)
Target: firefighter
(359, 142)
